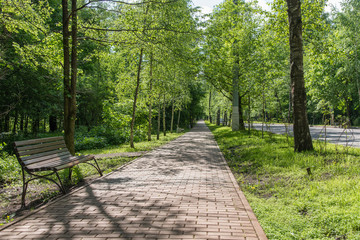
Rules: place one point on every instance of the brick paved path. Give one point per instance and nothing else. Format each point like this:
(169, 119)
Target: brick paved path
(183, 190)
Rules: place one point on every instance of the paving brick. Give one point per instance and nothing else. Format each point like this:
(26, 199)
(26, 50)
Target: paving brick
(183, 190)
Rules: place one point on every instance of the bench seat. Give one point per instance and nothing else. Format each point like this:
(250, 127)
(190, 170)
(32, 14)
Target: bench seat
(47, 154)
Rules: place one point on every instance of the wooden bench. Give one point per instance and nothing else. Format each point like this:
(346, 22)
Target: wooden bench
(47, 154)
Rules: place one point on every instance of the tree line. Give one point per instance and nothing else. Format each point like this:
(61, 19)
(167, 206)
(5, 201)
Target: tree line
(109, 68)
(123, 70)
(296, 63)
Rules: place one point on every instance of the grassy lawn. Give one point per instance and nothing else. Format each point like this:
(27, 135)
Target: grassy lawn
(139, 146)
(312, 195)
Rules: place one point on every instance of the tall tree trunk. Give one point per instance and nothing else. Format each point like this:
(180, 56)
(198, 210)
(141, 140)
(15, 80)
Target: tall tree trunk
(235, 93)
(35, 125)
(302, 135)
(235, 125)
(150, 97)
(70, 66)
(263, 113)
(135, 99)
(52, 123)
(225, 118)
(218, 117)
(178, 120)
(15, 122)
(241, 115)
(22, 122)
(26, 124)
(230, 119)
(210, 119)
(159, 119)
(357, 67)
(249, 115)
(278, 110)
(290, 106)
(172, 116)
(164, 117)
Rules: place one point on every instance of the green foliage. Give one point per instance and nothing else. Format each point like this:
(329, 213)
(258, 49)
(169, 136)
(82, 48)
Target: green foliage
(290, 203)
(10, 169)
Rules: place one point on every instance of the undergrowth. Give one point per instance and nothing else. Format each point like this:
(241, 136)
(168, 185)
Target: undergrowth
(311, 195)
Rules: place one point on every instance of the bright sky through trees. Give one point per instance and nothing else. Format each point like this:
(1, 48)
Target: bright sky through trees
(207, 5)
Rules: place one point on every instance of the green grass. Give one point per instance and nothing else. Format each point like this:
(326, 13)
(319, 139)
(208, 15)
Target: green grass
(290, 203)
(139, 146)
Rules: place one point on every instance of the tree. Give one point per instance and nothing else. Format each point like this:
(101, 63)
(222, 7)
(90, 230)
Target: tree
(302, 135)
(70, 72)
(230, 42)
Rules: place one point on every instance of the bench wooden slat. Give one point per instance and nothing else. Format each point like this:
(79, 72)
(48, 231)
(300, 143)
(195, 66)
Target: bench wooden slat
(41, 150)
(43, 154)
(59, 163)
(45, 158)
(47, 154)
(84, 158)
(41, 145)
(39, 140)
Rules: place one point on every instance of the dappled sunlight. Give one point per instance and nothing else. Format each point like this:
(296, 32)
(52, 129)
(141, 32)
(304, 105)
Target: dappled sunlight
(183, 188)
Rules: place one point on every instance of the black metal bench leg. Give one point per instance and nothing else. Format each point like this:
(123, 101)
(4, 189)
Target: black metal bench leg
(25, 184)
(70, 173)
(62, 189)
(97, 167)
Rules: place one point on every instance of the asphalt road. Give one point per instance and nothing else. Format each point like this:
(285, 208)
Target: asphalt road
(346, 137)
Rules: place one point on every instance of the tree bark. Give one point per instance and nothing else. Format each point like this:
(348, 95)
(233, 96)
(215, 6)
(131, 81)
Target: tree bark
(235, 125)
(35, 125)
(241, 115)
(150, 97)
(178, 121)
(302, 135)
(210, 119)
(218, 117)
(15, 122)
(52, 123)
(279, 116)
(22, 122)
(135, 99)
(230, 118)
(172, 116)
(164, 117)
(249, 115)
(70, 83)
(26, 124)
(159, 119)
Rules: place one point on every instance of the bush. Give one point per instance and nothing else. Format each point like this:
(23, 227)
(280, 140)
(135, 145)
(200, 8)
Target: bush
(10, 169)
(357, 122)
(90, 143)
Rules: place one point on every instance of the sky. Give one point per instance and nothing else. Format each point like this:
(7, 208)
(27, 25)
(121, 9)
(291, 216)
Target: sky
(207, 5)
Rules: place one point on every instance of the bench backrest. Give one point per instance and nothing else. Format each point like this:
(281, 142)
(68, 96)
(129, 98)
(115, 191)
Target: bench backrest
(36, 151)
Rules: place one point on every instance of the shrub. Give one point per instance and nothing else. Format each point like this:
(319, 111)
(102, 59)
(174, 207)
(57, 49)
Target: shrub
(10, 169)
